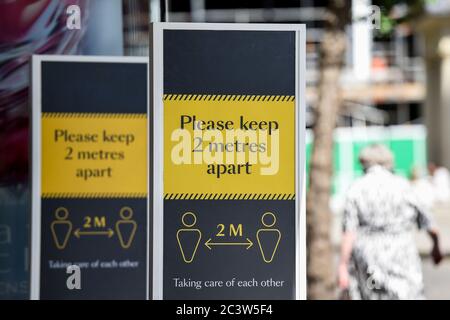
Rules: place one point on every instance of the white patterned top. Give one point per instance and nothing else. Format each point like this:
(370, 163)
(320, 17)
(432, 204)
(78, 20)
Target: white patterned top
(382, 210)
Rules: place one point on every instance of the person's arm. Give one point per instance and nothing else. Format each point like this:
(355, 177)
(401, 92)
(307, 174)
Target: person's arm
(348, 239)
(426, 222)
(436, 253)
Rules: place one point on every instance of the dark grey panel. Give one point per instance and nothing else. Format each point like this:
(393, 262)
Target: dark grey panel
(96, 283)
(229, 62)
(94, 87)
(234, 261)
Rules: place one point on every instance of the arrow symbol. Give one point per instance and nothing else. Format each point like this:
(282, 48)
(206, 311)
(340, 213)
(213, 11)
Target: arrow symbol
(209, 244)
(78, 233)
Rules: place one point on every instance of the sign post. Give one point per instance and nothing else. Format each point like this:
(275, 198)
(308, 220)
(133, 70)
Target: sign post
(228, 101)
(90, 237)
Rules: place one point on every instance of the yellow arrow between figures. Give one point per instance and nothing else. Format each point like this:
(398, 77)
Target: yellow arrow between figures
(78, 233)
(210, 244)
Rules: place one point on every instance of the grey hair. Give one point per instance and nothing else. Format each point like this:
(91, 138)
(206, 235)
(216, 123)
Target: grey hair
(376, 154)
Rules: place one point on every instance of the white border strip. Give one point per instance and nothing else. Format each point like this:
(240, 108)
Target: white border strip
(156, 54)
(149, 181)
(98, 59)
(36, 117)
(300, 185)
(230, 26)
(35, 239)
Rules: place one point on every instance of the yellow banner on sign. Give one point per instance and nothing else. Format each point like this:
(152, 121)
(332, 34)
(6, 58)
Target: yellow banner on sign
(229, 147)
(93, 155)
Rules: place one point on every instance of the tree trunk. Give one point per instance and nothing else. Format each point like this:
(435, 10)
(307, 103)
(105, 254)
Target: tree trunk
(321, 276)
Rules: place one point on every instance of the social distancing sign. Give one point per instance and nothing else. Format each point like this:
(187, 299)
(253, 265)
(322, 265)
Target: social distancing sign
(92, 155)
(229, 104)
(90, 225)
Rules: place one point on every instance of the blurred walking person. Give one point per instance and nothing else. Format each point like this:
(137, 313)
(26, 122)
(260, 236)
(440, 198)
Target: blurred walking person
(379, 258)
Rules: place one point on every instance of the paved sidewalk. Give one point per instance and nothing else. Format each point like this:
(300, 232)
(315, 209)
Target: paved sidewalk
(437, 279)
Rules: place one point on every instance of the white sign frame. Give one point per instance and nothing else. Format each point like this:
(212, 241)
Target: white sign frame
(36, 117)
(157, 109)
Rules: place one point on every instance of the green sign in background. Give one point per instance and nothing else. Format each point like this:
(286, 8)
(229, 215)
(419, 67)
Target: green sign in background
(408, 143)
